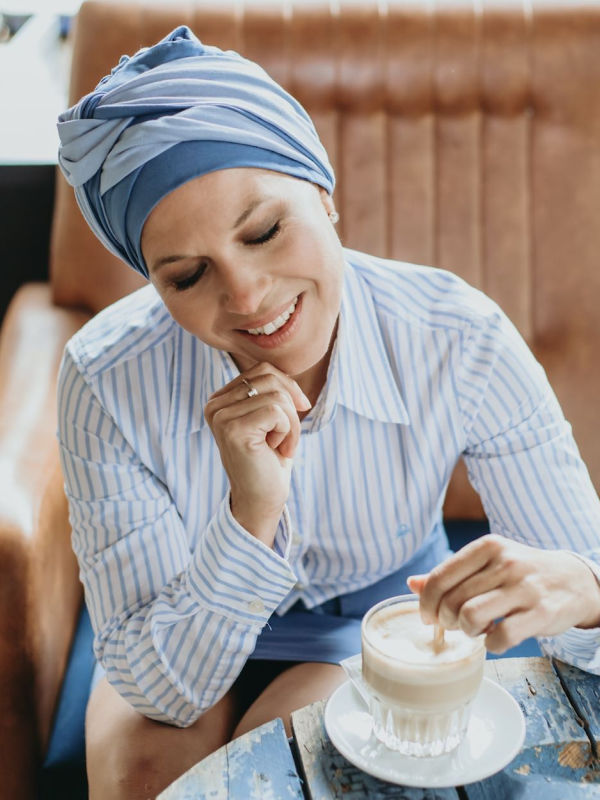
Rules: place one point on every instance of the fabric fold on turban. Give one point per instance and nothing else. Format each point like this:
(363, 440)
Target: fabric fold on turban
(170, 113)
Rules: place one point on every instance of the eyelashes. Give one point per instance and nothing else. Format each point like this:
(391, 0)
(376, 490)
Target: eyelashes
(265, 237)
(182, 284)
(185, 283)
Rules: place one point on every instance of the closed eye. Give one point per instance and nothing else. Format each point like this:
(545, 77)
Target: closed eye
(182, 284)
(265, 237)
(185, 283)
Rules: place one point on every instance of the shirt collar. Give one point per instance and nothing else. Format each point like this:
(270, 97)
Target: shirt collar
(363, 377)
(360, 376)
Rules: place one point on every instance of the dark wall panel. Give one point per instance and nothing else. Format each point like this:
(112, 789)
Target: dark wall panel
(26, 199)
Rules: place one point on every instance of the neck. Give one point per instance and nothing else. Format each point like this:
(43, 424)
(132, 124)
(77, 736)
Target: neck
(313, 379)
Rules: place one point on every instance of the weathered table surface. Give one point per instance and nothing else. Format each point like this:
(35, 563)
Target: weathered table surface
(558, 760)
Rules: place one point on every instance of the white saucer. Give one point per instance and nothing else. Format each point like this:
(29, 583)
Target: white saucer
(494, 737)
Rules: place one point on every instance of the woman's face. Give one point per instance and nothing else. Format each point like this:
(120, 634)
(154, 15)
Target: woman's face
(248, 261)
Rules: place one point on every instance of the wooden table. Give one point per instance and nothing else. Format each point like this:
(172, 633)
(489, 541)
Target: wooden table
(558, 761)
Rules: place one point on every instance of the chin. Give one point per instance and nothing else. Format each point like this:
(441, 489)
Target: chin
(294, 360)
(299, 366)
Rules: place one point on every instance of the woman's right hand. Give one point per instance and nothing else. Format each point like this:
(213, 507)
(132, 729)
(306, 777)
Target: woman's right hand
(257, 438)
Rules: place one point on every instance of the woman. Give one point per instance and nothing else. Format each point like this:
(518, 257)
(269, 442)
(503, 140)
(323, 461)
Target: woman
(256, 446)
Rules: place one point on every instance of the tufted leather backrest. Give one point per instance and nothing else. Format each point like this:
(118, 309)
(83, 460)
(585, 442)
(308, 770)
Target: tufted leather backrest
(464, 135)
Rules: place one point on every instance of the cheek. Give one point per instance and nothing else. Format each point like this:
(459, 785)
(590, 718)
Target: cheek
(189, 310)
(318, 255)
(332, 275)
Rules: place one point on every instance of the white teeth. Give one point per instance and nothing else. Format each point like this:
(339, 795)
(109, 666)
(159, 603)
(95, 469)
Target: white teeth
(273, 326)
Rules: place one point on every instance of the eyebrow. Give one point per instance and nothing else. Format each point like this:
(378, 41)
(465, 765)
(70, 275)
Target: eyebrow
(257, 201)
(242, 218)
(166, 260)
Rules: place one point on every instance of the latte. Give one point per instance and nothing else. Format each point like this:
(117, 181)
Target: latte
(420, 696)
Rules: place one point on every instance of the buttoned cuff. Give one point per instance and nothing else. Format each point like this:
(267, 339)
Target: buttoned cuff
(234, 574)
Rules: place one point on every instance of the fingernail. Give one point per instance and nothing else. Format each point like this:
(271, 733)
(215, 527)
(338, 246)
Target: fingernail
(416, 583)
(305, 403)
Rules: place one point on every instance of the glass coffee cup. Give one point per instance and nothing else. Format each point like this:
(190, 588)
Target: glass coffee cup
(419, 698)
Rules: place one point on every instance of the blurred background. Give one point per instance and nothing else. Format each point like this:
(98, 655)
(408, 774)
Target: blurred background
(34, 66)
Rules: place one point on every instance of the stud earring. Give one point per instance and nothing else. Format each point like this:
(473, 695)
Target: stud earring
(334, 217)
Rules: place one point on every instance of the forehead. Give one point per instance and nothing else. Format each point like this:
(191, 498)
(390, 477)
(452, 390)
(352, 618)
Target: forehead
(217, 202)
(227, 191)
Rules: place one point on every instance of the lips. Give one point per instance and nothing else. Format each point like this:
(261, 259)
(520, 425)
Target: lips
(276, 324)
(281, 330)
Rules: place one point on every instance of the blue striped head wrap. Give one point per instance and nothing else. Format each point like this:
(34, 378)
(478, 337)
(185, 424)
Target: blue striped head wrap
(170, 113)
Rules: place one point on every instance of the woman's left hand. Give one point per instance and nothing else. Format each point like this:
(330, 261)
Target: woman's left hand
(532, 592)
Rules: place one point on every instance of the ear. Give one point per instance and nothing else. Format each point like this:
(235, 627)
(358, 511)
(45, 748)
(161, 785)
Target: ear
(326, 199)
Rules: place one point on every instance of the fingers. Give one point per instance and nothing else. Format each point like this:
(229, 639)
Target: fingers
(477, 611)
(450, 574)
(416, 583)
(249, 422)
(511, 631)
(481, 613)
(269, 420)
(453, 603)
(263, 377)
(271, 386)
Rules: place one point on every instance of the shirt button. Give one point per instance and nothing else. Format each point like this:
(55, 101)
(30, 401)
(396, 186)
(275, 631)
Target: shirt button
(256, 606)
(300, 585)
(296, 540)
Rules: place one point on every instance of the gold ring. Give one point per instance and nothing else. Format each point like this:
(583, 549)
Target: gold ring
(252, 391)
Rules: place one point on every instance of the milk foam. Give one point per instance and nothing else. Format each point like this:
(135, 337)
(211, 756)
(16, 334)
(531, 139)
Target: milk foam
(399, 633)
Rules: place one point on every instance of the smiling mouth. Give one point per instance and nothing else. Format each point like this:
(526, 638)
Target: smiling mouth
(277, 332)
(276, 324)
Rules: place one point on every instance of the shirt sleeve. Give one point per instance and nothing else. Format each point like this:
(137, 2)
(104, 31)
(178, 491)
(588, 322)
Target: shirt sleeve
(523, 461)
(173, 627)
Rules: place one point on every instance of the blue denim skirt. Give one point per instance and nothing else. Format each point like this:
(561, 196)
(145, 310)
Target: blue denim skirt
(330, 632)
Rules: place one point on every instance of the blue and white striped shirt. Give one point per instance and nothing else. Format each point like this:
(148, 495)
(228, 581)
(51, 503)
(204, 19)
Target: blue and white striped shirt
(425, 369)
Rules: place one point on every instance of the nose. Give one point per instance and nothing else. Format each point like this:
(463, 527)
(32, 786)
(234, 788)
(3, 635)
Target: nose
(243, 288)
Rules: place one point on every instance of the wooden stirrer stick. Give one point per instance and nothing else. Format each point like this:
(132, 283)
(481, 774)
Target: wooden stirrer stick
(438, 638)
